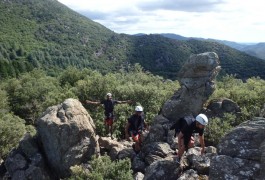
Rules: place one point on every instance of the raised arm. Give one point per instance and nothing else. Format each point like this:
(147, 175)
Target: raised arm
(124, 102)
(92, 102)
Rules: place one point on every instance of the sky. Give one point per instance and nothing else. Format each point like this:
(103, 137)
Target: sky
(232, 20)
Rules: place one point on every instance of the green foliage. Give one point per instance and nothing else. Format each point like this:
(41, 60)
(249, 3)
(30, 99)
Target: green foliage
(248, 95)
(12, 129)
(218, 127)
(32, 93)
(78, 173)
(46, 34)
(4, 106)
(142, 88)
(103, 168)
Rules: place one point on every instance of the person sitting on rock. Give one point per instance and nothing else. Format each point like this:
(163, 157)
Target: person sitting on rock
(135, 127)
(185, 127)
(108, 104)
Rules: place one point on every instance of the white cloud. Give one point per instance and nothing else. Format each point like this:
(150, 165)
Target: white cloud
(233, 20)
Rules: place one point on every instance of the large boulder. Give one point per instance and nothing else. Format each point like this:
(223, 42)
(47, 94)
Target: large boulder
(67, 134)
(196, 78)
(241, 153)
(218, 107)
(197, 83)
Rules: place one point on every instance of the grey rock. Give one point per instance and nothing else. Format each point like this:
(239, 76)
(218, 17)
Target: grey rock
(241, 152)
(226, 167)
(162, 170)
(189, 174)
(67, 133)
(197, 84)
(138, 165)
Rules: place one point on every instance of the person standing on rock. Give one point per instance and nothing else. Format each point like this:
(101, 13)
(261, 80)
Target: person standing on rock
(185, 128)
(108, 104)
(135, 127)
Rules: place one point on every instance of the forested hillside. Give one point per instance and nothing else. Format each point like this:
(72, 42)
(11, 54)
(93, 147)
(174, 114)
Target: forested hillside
(46, 34)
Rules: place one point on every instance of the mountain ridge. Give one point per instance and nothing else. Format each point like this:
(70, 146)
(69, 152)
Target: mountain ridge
(47, 34)
(253, 49)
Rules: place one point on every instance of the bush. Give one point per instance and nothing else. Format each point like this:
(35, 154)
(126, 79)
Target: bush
(248, 95)
(218, 127)
(12, 129)
(103, 168)
(3, 101)
(32, 93)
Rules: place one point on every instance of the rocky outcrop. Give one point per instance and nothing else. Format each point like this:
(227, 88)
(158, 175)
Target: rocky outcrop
(116, 150)
(162, 169)
(27, 161)
(65, 137)
(241, 153)
(67, 134)
(218, 107)
(196, 78)
(197, 84)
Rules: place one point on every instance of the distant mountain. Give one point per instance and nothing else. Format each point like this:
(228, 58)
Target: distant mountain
(174, 36)
(253, 49)
(257, 50)
(46, 34)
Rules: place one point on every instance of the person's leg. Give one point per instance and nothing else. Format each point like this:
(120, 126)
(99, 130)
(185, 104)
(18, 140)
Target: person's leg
(107, 127)
(136, 140)
(181, 148)
(111, 130)
(137, 146)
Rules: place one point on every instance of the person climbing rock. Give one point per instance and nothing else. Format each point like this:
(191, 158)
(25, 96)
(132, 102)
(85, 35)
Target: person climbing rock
(135, 127)
(185, 128)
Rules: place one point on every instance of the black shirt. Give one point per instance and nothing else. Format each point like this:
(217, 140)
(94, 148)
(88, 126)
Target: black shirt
(188, 127)
(136, 122)
(109, 106)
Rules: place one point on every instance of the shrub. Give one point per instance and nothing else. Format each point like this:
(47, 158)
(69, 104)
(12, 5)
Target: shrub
(12, 129)
(104, 168)
(218, 127)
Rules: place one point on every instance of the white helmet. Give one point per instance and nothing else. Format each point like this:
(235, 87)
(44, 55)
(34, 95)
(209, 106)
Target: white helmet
(139, 108)
(109, 94)
(202, 119)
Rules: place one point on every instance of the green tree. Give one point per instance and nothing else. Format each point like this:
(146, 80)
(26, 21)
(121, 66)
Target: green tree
(12, 129)
(4, 106)
(32, 93)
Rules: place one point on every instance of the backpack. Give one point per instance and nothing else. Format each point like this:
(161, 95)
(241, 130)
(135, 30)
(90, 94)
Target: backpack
(178, 124)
